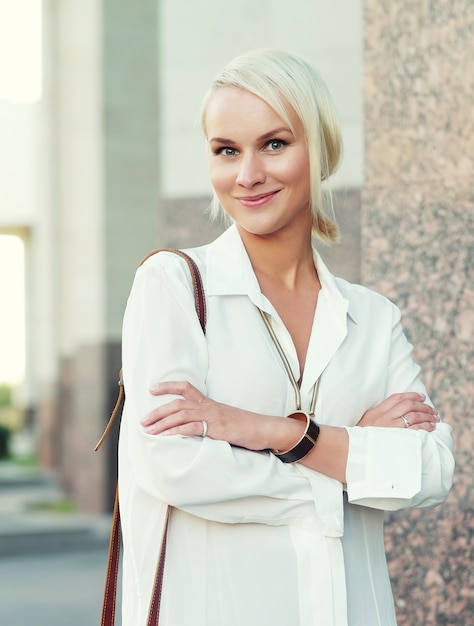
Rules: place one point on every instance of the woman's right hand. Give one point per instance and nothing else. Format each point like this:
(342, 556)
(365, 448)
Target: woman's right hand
(188, 414)
(411, 405)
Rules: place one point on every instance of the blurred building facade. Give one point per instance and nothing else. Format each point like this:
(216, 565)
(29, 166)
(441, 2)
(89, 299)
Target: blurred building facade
(111, 164)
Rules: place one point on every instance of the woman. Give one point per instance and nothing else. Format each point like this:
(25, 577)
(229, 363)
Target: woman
(281, 435)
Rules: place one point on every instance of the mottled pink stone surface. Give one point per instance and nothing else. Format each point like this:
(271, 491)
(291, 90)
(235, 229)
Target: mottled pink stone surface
(418, 249)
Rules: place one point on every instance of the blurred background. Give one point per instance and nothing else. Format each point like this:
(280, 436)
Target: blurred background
(102, 160)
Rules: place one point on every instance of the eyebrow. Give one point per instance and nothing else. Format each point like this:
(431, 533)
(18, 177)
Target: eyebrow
(271, 133)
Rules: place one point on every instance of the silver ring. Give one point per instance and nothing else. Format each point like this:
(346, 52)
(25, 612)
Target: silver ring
(204, 428)
(405, 419)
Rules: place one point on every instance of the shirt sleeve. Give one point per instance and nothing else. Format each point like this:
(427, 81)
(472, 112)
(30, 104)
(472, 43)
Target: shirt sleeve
(162, 340)
(394, 468)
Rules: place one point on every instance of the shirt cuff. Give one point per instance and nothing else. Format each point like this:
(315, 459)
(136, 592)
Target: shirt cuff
(384, 466)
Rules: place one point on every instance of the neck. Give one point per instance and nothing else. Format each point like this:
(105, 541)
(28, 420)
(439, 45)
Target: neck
(286, 258)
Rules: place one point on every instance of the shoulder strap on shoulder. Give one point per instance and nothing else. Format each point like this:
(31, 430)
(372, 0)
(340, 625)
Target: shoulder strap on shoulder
(200, 306)
(199, 299)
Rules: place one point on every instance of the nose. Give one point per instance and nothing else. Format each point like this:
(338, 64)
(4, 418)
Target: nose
(251, 170)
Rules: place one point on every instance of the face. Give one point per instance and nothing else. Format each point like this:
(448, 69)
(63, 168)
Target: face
(259, 169)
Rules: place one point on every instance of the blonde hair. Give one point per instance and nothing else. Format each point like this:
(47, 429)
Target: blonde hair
(285, 80)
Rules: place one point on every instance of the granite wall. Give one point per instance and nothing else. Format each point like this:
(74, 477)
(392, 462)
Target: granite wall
(418, 248)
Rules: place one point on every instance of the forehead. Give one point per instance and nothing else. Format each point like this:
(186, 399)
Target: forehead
(236, 109)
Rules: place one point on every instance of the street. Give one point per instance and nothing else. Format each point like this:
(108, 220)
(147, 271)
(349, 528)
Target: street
(56, 590)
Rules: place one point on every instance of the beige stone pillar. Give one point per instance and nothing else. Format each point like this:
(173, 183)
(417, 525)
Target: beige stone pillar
(107, 184)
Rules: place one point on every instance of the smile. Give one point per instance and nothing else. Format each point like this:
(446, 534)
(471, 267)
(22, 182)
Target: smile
(256, 201)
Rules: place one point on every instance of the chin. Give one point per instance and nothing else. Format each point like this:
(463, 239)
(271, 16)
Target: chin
(259, 230)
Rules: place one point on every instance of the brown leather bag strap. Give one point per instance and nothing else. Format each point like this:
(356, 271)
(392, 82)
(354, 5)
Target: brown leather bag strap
(199, 299)
(117, 407)
(199, 305)
(110, 591)
(155, 602)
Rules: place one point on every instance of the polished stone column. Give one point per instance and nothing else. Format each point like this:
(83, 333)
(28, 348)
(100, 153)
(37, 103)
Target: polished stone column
(418, 249)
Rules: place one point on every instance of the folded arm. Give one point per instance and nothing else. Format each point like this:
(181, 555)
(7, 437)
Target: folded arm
(162, 340)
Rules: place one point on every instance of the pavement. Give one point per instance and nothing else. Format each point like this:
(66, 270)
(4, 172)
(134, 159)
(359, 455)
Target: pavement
(52, 560)
(31, 520)
(53, 589)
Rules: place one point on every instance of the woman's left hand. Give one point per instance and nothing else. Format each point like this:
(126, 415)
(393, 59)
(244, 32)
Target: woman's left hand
(185, 416)
(402, 410)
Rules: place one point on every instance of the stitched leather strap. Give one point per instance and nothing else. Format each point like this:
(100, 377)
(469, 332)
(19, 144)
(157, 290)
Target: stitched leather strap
(110, 590)
(199, 299)
(200, 306)
(155, 602)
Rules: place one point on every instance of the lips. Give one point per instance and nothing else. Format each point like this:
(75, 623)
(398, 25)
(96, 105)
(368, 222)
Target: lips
(258, 200)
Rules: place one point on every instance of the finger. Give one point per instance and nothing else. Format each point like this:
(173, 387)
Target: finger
(164, 411)
(178, 412)
(181, 419)
(422, 417)
(427, 426)
(179, 388)
(175, 413)
(397, 399)
(415, 412)
(399, 404)
(192, 429)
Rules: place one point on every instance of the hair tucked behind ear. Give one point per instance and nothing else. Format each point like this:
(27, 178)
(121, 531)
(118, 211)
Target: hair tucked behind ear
(284, 80)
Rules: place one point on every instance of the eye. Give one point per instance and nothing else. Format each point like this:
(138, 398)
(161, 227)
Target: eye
(226, 151)
(274, 145)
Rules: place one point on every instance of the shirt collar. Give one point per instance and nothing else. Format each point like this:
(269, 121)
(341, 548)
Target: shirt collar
(333, 286)
(229, 272)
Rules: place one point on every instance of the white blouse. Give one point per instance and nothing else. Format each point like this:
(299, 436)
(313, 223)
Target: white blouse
(253, 541)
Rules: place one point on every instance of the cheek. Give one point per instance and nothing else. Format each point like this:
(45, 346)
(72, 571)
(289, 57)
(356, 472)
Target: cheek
(298, 180)
(221, 177)
(298, 171)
